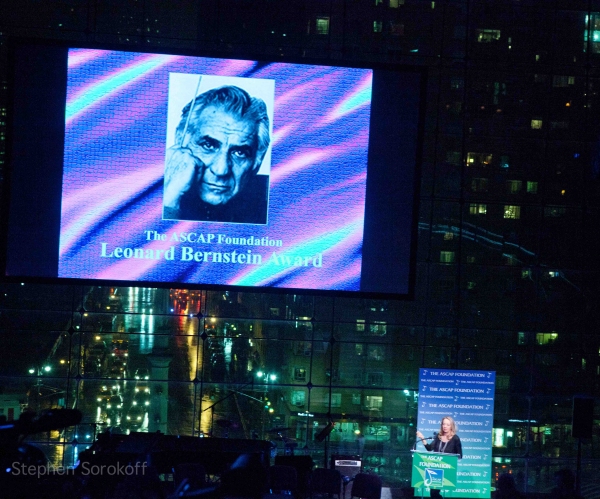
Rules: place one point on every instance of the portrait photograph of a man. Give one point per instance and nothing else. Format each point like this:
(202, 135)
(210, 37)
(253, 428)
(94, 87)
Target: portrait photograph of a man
(218, 150)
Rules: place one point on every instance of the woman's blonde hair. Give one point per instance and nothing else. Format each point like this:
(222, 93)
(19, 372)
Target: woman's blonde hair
(453, 427)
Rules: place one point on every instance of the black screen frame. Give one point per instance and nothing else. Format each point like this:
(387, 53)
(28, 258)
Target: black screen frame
(27, 191)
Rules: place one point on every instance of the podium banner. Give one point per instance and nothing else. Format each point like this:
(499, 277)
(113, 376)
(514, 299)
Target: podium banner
(432, 470)
(468, 397)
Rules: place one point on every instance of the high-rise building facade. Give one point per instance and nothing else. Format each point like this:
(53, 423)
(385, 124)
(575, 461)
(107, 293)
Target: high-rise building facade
(507, 273)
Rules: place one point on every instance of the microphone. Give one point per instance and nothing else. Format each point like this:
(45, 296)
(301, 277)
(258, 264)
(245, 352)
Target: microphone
(418, 439)
(429, 438)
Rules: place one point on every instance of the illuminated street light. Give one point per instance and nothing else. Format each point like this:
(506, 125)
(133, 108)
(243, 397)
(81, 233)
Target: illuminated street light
(40, 370)
(266, 376)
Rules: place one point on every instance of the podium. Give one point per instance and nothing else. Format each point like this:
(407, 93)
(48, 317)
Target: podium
(433, 470)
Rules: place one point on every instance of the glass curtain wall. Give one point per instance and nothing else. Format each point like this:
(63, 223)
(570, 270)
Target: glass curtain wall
(273, 367)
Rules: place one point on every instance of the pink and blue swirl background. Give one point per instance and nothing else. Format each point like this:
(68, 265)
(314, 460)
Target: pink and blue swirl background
(114, 149)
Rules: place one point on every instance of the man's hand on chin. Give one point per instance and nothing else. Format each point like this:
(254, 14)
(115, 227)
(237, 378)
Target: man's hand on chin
(180, 171)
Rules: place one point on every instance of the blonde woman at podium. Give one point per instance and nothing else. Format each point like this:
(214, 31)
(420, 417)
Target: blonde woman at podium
(446, 441)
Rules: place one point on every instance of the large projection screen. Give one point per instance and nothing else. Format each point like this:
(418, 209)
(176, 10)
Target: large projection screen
(203, 171)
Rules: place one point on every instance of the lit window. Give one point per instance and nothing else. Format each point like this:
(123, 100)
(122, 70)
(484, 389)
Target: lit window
(373, 402)
(487, 35)
(532, 187)
(298, 398)
(375, 352)
(536, 124)
(359, 349)
(446, 256)
(360, 324)
(336, 400)
(562, 81)
(514, 186)
(545, 338)
(526, 273)
(595, 38)
(322, 26)
(478, 159)
(498, 437)
(394, 4)
(378, 328)
(356, 398)
(299, 374)
(377, 26)
(512, 211)
(448, 236)
(477, 209)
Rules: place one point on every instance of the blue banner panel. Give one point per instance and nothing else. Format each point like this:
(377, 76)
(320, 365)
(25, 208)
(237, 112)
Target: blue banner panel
(468, 398)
